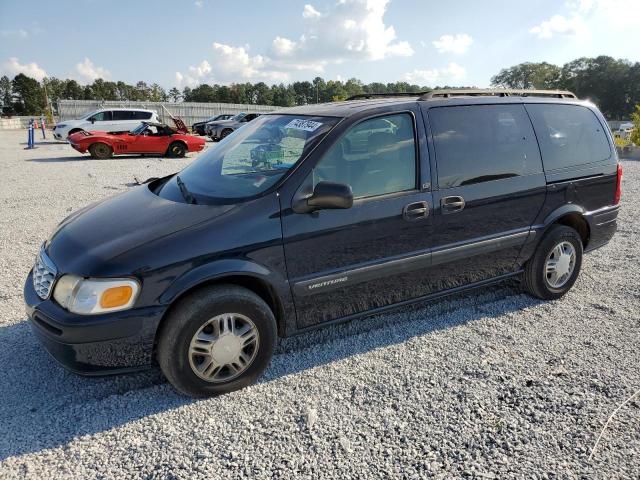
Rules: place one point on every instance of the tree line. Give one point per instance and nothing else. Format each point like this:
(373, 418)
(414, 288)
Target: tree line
(614, 85)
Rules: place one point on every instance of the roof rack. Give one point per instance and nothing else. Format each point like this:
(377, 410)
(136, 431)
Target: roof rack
(496, 92)
(369, 96)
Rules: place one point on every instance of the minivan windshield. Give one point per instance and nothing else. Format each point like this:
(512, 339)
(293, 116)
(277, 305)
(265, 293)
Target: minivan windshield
(87, 115)
(253, 158)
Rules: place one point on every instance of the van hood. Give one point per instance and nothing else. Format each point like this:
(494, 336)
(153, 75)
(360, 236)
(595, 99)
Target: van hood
(89, 239)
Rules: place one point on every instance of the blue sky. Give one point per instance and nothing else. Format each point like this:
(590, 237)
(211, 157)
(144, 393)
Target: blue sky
(193, 41)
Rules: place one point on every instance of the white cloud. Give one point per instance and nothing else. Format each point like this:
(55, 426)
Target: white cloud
(89, 72)
(14, 67)
(235, 64)
(350, 30)
(199, 3)
(18, 32)
(620, 13)
(204, 68)
(451, 73)
(310, 12)
(283, 47)
(457, 44)
(185, 80)
(560, 25)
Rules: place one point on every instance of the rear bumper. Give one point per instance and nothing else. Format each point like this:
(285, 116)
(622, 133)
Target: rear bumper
(603, 224)
(93, 344)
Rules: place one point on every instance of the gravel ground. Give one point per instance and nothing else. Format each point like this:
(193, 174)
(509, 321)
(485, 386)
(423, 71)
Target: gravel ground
(491, 384)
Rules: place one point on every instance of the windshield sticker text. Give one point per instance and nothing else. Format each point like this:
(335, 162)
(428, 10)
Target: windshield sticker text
(306, 125)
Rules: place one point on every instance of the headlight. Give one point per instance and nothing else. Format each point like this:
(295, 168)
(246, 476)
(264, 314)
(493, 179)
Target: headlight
(62, 125)
(88, 296)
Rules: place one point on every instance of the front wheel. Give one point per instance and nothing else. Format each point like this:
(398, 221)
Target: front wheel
(216, 340)
(225, 133)
(555, 265)
(101, 151)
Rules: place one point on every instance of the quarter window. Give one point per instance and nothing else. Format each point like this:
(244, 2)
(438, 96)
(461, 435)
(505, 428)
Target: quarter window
(375, 157)
(569, 135)
(481, 143)
(122, 115)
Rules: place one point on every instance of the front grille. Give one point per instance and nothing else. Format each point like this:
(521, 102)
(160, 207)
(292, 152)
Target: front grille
(44, 275)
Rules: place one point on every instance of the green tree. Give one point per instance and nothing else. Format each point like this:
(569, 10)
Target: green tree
(175, 95)
(635, 134)
(157, 93)
(529, 75)
(6, 96)
(202, 93)
(28, 96)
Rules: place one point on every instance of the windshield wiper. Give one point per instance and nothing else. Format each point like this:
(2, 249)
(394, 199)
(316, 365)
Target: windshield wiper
(186, 194)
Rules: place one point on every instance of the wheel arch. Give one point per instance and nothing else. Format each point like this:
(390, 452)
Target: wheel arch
(571, 216)
(101, 142)
(250, 280)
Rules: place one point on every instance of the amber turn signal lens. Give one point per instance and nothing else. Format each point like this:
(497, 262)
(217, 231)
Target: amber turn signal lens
(116, 296)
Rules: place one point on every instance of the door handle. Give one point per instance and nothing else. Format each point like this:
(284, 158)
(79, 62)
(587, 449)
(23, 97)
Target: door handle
(452, 204)
(415, 211)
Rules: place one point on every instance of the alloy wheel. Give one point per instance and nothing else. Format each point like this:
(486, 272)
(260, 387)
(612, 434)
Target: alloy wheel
(560, 264)
(223, 347)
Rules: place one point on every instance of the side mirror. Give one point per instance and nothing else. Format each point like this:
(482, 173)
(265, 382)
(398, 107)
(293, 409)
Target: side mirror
(325, 196)
(92, 120)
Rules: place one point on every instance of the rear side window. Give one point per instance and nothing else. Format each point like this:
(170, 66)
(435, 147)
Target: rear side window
(122, 115)
(569, 135)
(481, 143)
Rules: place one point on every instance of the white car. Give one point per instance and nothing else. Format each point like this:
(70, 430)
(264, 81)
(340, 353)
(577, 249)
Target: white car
(105, 120)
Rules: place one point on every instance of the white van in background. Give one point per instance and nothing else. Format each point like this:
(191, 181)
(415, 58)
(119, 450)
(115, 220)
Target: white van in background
(105, 120)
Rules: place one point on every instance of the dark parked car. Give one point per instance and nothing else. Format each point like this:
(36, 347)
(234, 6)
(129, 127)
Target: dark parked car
(285, 227)
(198, 127)
(219, 129)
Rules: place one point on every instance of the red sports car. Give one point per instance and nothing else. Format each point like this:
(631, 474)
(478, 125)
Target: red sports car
(148, 137)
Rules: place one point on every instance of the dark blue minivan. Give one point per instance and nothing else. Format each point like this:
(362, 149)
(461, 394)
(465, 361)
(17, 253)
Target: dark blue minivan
(321, 214)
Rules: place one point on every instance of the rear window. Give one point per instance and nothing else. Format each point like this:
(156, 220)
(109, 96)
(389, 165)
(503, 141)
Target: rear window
(569, 135)
(131, 115)
(141, 115)
(482, 143)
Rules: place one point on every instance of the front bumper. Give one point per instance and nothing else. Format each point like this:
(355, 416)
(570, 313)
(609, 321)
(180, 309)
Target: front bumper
(93, 344)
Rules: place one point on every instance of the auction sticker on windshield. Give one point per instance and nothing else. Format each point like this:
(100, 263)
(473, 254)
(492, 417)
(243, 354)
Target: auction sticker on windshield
(306, 125)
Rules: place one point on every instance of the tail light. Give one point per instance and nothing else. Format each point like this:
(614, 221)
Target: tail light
(618, 194)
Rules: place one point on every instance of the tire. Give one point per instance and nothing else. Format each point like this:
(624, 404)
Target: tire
(101, 151)
(225, 133)
(192, 316)
(177, 150)
(539, 282)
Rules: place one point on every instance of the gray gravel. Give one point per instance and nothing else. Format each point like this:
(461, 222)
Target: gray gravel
(491, 384)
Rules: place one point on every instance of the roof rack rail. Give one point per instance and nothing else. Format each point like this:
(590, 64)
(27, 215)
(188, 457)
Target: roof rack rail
(496, 92)
(368, 96)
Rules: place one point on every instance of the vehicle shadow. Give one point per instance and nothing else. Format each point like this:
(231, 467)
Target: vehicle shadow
(44, 406)
(87, 158)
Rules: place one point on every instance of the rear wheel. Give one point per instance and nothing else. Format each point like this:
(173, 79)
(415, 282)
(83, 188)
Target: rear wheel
(555, 266)
(177, 149)
(216, 340)
(101, 151)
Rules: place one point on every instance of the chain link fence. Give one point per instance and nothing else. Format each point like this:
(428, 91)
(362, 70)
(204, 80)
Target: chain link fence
(189, 112)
